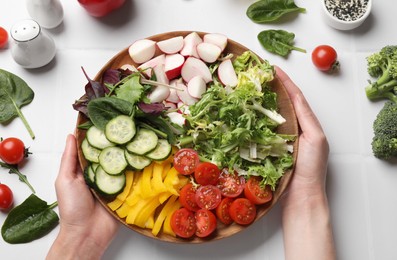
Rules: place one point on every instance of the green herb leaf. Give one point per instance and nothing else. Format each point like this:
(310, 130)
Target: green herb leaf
(279, 42)
(22, 177)
(131, 90)
(265, 11)
(29, 221)
(14, 93)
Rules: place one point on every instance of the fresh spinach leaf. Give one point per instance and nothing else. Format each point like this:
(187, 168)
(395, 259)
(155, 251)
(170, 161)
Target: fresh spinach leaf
(29, 221)
(102, 110)
(279, 42)
(266, 11)
(14, 93)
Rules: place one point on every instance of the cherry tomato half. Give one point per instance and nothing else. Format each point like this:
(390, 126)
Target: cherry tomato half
(3, 37)
(230, 184)
(242, 211)
(6, 197)
(208, 197)
(255, 193)
(186, 160)
(207, 173)
(12, 150)
(222, 211)
(183, 223)
(324, 57)
(187, 197)
(205, 222)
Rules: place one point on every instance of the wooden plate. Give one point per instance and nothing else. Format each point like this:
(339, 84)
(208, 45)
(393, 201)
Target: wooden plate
(290, 127)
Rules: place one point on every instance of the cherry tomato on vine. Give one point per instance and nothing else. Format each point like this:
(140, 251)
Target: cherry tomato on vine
(242, 211)
(205, 222)
(6, 197)
(324, 57)
(207, 173)
(12, 150)
(3, 37)
(255, 193)
(186, 160)
(183, 223)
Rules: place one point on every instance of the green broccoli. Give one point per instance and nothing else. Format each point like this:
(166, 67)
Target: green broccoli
(384, 142)
(383, 66)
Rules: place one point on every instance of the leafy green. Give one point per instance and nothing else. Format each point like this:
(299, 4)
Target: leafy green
(266, 11)
(22, 177)
(131, 90)
(279, 42)
(29, 221)
(14, 94)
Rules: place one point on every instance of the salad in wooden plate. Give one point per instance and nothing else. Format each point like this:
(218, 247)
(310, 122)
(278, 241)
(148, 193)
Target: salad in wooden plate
(186, 137)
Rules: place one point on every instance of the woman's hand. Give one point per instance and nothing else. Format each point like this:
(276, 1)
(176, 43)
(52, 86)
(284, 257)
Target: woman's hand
(86, 228)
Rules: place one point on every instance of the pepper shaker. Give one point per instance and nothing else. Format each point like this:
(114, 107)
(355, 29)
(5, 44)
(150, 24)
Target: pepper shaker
(31, 47)
(48, 13)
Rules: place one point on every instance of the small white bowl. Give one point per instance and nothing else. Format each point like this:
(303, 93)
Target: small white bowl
(339, 23)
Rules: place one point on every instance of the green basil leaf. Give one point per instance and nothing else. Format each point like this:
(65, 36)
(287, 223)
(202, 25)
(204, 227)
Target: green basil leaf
(265, 11)
(29, 221)
(279, 42)
(14, 93)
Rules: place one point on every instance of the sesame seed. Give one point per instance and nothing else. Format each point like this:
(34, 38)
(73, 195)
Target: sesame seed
(346, 10)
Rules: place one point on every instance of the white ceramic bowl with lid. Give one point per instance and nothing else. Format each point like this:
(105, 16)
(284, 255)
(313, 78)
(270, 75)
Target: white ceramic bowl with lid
(346, 14)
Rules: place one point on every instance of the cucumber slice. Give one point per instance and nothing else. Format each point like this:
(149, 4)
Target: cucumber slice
(161, 152)
(120, 129)
(137, 162)
(89, 175)
(96, 137)
(90, 153)
(109, 184)
(143, 142)
(112, 160)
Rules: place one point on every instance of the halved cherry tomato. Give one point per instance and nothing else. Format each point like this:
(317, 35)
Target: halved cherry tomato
(255, 193)
(222, 211)
(242, 211)
(207, 173)
(324, 57)
(208, 197)
(205, 222)
(187, 197)
(6, 197)
(186, 160)
(3, 37)
(183, 223)
(12, 150)
(230, 184)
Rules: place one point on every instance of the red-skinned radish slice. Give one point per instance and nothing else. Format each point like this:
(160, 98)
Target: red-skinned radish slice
(173, 65)
(159, 94)
(171, 45)
(226, 73)
(176, 118)
(190, 45)
(147, 67)
(173, 96)
(218, 39)
(195, 67)
(142, 50)
(208, 52)
(196, 87)
(129, 67)
(184, 95)
(183, 108)
(160, 74)
(170, 105)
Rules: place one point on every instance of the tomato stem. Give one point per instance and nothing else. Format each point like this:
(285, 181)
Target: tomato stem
(14, 169)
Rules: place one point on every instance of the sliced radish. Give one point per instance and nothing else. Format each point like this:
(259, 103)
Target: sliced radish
(184, 95)
(196, 87)
(173, 65)
(159, 94)
(190, 43)
(183, 108)
(142, 50)
(218, 39)
(147, 67)
(170, 105)
(195, 67)
(172, 45)
(160, 74)
(176, 118)
(129, 67)
(208, 52)
(173, 96)
(226, 73)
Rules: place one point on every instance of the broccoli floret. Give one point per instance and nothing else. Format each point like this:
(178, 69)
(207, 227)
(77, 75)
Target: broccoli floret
(384, 143)
(383, 66)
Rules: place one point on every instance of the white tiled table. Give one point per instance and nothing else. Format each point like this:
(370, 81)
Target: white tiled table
(362, 190)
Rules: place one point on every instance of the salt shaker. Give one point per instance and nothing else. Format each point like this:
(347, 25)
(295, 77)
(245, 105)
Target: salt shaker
(48, 13)
(31, 47)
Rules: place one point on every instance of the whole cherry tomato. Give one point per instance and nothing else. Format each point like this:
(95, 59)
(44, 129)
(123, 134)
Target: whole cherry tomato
(99, 8)
(324, 57)
(12, 150)
(6, 197)
(3, 37)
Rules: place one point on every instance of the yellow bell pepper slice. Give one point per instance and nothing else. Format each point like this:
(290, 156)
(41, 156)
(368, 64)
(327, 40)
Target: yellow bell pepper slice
(163, 214)
(115, 204)
(129, 177)
(150, 222)
(134, 211)
(146, 187)
(172, 179)
(166, 168)
(146, 212)
(167, 222)
(123, 211)
(157, 180)
(135, 193)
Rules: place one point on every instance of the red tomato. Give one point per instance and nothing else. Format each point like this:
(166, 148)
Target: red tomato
(186, 160)
(230, 184)
(324, 57)
(3, 37)
(187, 197)
(207, 173)
(12, 150)
(6, 197)
(255, 193)
(208, 197)
(242, 211)
(222, 211)
(205, 222)
(99, 8)
(183, 223)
